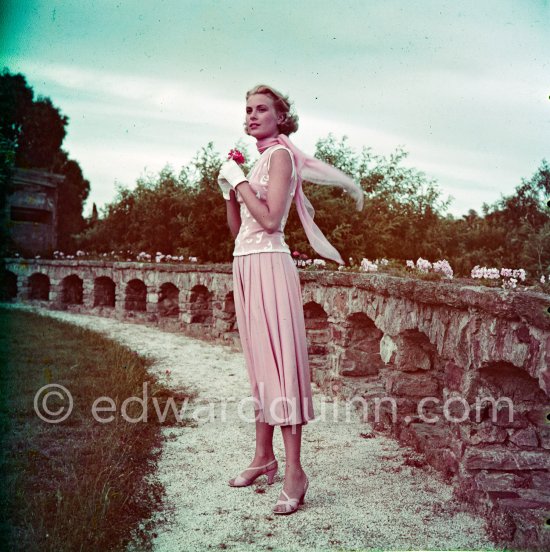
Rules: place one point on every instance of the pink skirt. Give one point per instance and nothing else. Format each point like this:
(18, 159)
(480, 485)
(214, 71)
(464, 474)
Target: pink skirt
(270, 318)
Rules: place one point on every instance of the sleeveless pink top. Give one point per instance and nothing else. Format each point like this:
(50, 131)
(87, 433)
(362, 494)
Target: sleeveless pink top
(252, 236)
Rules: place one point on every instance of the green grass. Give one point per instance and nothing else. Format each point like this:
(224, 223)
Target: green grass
(78, 484)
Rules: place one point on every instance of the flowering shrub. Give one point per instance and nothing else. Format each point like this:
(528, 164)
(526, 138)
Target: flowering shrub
(301, 260)
(127, 256)
(143, 257)
(444, 268)
(367, 266)
(510, 276)
(545, 283)
(439, 267)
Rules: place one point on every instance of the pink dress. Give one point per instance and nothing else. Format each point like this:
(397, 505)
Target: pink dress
(269, 311)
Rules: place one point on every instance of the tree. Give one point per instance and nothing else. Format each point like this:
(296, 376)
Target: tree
(32, 131)
(401, 205)
(525, 221)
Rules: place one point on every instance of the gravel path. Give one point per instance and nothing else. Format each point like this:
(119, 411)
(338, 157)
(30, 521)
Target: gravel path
(362, 496)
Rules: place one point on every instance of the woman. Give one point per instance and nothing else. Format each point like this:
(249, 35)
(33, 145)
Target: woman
(266, 284)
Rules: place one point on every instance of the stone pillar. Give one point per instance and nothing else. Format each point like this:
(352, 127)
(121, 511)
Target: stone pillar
(88, 292)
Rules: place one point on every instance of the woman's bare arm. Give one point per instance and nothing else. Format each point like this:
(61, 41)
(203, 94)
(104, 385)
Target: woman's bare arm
(233, 214)
(269, 213)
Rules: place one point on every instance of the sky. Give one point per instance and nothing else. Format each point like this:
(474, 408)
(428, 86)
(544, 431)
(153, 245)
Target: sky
(462, 86)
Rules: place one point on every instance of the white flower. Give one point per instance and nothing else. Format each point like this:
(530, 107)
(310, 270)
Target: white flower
(367, 266)
(423, 265)
(510, 284)
(444, 267)
(484, 272)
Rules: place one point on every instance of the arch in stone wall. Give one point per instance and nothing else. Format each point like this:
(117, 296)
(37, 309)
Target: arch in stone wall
(414, 352)
(72, 290)
(414, 380)
(415, 370)
(509, 408)
(199, 306)
(104, 292)
(506, 441)
(168, 300)
(361, 356)
(318, 338)
(39, 286)
(8, 289)
(228, 314)
(135, 295)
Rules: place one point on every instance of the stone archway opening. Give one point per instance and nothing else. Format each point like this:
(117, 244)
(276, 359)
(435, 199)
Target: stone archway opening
(135, 296)
(506, 439)
(8, 285)
(168, 301)
(199, 306)
(413, 406)
(39, 287)
(104, 292)
(361, 357)
(227, 319)
(507, 408)
(71, 290)
(318, 338)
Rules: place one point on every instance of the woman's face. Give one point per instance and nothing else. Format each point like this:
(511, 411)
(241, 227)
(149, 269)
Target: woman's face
(262, 117)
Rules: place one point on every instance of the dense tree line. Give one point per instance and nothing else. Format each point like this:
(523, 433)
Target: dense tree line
(32, 131)
(403, 218)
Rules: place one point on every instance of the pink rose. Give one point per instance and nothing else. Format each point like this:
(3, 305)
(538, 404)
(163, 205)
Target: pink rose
(237, 156)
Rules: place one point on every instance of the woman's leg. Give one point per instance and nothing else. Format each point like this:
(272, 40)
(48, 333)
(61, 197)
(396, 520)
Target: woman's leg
(264, 443)
(295, 477)
(264, 449)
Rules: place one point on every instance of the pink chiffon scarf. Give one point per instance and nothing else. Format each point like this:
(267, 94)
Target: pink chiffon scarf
(318, 172)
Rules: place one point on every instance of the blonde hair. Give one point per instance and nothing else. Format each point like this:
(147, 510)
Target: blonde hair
(283, 106)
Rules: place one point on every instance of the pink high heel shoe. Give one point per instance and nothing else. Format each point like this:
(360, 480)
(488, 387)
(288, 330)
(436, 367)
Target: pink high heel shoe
(240, 481)
(291, 505)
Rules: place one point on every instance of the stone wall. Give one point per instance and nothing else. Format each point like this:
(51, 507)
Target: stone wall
(460, 372)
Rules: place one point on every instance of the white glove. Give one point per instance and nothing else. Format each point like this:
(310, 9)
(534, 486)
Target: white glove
(225, 187)
(232, 173)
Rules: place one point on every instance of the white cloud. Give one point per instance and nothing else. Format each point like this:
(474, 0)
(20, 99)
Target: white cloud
(135, 95)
